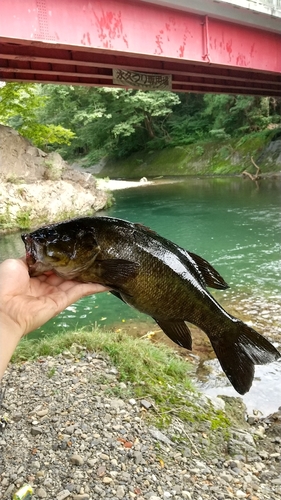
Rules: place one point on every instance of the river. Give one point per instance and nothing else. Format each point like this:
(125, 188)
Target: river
(231, 222)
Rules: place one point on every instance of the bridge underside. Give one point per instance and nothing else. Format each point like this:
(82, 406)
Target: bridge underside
(78, 43)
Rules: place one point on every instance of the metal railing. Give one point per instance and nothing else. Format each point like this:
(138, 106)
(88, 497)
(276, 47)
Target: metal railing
(271, 7)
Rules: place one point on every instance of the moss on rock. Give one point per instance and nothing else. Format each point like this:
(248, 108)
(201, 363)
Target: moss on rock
(216, 157)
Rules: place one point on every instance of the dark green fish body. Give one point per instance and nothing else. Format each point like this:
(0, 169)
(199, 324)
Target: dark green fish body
(155, 276)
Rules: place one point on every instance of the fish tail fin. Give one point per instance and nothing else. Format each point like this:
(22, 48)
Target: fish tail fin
(238, 349)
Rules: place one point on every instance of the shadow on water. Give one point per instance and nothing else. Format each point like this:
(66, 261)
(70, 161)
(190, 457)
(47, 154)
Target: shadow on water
(229, 221)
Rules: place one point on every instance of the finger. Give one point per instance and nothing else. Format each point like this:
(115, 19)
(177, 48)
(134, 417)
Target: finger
(56, 281)
(50, 279)
(10, 268)
(78, 290)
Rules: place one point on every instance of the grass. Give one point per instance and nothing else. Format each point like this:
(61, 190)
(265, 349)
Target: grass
(154, 372)
(136, 359)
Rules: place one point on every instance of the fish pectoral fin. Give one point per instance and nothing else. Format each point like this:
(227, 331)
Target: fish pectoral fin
(116, 271)
(177, 331)
(211, 277)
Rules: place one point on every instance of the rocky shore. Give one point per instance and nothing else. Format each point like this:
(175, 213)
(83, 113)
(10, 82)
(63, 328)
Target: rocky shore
(38, 188)
(75, 431)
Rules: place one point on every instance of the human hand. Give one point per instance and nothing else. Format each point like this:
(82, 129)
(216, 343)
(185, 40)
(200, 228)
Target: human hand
(27, 303)
(30, 302)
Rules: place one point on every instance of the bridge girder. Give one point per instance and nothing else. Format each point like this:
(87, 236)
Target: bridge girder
(81, 43)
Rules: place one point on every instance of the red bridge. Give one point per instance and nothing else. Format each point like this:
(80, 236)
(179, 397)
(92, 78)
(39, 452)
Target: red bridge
(182, 45)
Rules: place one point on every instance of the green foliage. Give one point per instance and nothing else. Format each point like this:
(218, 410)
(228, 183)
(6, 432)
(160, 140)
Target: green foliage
(104, 118)
(19, 108)
(23, 219)
(5, 219)
(232, 115)
(219, 133)
(45, 135)
(115, 123)
(19, 102)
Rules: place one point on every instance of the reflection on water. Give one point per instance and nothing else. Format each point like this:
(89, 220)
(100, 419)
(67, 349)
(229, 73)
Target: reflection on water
(229, 222)
(264, 394)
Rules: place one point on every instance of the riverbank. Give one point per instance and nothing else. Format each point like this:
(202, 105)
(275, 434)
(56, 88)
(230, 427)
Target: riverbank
(215, 157)
(82, 427)
(38, 188)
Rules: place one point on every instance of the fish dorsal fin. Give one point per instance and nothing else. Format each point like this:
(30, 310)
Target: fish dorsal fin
(211, 277)
(177, 331)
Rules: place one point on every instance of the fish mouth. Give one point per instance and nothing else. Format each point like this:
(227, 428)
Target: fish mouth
(34, 256)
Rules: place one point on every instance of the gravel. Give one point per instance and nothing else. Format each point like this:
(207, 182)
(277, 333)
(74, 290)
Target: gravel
(71, 434)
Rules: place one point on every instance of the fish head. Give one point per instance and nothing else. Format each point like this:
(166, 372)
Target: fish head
(60, 249)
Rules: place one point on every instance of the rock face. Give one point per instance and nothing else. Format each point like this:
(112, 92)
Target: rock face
(271, 154)
(36, 187)
(19, 158)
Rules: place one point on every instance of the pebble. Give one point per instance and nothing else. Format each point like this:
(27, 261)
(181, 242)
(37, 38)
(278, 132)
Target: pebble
(92, 462)
(76, 460)
(146, 404)
(159, 436)
(41, 493)
(240, 494)
(36, 430)
(42, 413)
(120, 492)
(75, 441)
(70, 429)
(63, 494)
(107, 480)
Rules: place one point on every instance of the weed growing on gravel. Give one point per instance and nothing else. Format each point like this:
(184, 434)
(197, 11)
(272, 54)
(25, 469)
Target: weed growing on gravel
(137, 360)
(51, 372)
(154, 372)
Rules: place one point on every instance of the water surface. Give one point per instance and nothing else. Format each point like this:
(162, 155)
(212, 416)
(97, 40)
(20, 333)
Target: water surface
(229, 221)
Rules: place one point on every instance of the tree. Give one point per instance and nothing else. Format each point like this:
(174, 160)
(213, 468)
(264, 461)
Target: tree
(104, 118)
(19, 106)
(233, 115)
(116, 122)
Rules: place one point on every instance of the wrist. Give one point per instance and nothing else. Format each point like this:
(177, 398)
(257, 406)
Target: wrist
(10, 326)
(10, 335)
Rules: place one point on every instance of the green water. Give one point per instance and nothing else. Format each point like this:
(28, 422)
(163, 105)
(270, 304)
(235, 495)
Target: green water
(229, 221)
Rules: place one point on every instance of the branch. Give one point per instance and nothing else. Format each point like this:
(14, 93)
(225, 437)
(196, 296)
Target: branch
(257, 175)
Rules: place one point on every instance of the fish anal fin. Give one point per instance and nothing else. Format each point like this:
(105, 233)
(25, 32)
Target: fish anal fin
(211, 277)
(116, 271)
(177, 331)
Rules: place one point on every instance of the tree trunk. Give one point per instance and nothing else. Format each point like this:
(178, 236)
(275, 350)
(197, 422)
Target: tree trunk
(148, 126)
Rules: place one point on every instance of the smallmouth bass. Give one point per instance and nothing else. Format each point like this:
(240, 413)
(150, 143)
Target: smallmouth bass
(157, 277)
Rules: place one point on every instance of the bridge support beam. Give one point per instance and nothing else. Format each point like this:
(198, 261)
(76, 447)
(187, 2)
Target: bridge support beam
(78, 42)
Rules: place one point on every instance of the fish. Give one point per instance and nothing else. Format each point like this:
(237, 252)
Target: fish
(155, 276)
